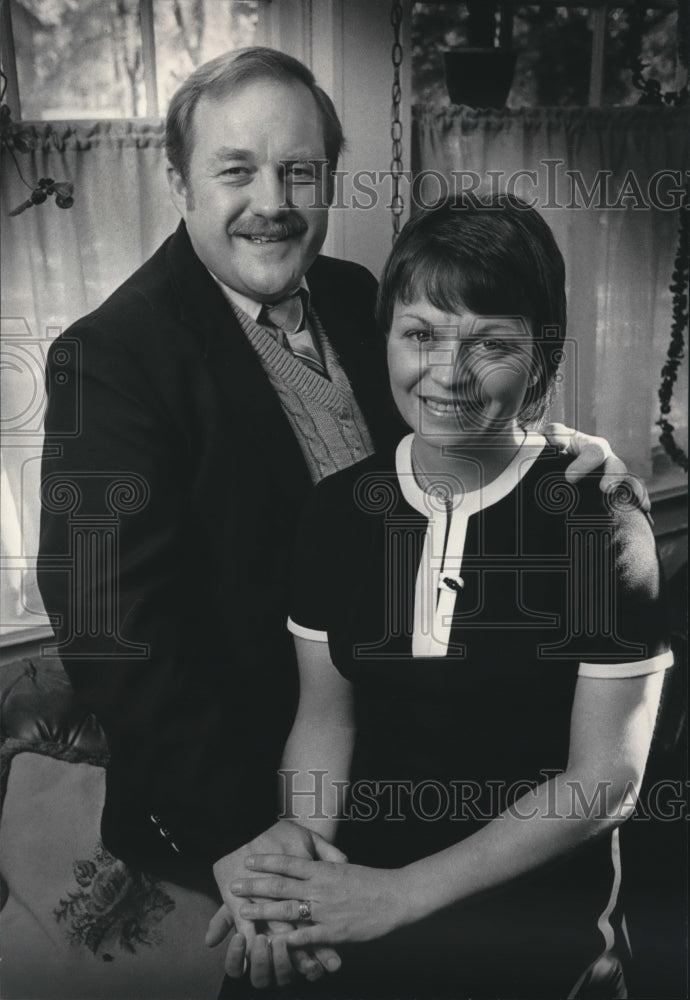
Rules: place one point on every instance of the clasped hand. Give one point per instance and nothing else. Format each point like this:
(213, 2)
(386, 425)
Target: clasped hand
(263, 943)
(348, 902)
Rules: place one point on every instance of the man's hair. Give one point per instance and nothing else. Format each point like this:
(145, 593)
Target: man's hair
(228, 72)
(494, 256)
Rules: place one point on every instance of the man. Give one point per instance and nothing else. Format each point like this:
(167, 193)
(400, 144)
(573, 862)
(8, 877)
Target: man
(209, 397)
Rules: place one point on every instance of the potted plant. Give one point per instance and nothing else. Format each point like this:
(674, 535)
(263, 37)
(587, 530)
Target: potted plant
(480, 74)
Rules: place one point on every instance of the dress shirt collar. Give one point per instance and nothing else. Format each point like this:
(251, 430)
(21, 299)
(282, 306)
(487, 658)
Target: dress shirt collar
(250, 306)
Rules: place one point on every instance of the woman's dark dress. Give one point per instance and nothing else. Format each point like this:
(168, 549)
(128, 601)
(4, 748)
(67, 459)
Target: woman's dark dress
(553, 581)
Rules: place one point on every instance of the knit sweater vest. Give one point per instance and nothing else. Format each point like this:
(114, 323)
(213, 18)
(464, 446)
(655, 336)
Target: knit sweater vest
(323, 414)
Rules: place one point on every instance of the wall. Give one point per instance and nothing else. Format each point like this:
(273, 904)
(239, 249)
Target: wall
(347, 43)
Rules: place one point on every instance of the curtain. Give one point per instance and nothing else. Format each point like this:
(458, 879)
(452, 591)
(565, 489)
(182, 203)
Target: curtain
(608, 183)
(57, 265)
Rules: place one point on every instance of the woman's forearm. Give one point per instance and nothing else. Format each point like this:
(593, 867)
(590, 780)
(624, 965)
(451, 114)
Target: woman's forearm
(354, 903)
(542, 826)
(318, 752)
(611, 729)
(314, 772)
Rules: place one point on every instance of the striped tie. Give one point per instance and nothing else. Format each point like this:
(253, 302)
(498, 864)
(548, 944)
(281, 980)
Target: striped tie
(287, 318)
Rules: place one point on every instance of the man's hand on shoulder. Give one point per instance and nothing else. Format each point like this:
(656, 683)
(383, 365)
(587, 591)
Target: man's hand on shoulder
(591, 454)
(268, 963)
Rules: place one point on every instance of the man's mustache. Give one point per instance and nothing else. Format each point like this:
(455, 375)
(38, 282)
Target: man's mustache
(291, 225)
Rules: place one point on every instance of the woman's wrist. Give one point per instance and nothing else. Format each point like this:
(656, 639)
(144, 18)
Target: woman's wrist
(411, 904)
(417, 887)
(323, 828)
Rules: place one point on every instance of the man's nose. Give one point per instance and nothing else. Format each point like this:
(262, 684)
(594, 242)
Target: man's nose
(269, 193)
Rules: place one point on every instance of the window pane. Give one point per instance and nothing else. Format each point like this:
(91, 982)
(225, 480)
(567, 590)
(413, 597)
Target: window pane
(79, 58)
(21, 418)
(83, 58)
(190, 32)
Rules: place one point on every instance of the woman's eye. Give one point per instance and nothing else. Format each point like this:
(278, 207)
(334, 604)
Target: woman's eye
(421, 336)
(490, 344)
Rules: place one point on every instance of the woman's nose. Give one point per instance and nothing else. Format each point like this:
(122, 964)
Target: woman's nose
(447, 363)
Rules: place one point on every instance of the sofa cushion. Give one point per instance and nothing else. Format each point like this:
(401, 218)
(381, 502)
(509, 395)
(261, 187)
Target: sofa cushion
(38, 705)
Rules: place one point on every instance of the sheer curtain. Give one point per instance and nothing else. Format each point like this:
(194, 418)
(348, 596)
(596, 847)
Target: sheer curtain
(57, 265)
(619, 252)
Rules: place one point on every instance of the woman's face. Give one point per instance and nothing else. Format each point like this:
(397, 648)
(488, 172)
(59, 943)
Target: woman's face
(458, 378)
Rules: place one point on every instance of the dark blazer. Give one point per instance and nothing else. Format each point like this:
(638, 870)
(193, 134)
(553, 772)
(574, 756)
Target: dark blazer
(171, 488)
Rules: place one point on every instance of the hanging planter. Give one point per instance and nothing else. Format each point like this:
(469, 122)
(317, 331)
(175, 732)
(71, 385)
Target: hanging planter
(480, 74)
(479, 78)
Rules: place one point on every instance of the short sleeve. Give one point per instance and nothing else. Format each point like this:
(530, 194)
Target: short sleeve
(310, 594)
(619, 595)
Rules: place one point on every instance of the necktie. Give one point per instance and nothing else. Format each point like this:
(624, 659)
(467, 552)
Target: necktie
(287, 318)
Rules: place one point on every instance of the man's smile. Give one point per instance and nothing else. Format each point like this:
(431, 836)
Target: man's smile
(260, 240)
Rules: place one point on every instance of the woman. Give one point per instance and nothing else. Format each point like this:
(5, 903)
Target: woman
(481, 651)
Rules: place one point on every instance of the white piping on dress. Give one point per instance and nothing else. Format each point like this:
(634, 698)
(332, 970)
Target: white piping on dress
(604, 921)
(435, 603)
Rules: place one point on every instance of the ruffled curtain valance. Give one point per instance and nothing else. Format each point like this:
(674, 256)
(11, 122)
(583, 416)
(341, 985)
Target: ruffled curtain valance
(623, 119)
(83, 135)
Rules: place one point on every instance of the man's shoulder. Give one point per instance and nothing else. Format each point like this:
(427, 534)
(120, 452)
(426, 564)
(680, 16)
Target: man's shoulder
(148, 308)
(338, 272)
(146, 292)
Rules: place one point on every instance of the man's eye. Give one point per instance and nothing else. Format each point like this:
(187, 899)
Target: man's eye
(490, 344)
(235, 171)
(301, 172)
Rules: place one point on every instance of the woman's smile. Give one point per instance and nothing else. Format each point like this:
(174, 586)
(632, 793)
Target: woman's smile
(441, 407)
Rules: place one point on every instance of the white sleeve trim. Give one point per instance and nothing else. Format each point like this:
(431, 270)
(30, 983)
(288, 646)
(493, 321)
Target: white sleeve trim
(607, 670)
(306, 633)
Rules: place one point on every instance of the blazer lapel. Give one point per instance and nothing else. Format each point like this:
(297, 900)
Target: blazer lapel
(233, 362)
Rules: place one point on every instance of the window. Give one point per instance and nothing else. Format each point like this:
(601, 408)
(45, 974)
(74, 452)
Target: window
(566, 54)
(117, 58)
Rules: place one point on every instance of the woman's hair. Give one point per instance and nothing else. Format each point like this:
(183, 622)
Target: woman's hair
(495, 257)
(231, 71)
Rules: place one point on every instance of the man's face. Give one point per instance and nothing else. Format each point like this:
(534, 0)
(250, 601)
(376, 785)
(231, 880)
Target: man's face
(253, 203)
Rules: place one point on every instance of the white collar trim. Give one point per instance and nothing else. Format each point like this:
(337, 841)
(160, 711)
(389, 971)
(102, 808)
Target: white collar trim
(475, 500)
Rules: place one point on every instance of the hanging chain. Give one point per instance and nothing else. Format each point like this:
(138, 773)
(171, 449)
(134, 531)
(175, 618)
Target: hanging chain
(397, 204)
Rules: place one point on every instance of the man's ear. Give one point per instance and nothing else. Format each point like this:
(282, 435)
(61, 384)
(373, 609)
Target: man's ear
(179, 191)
